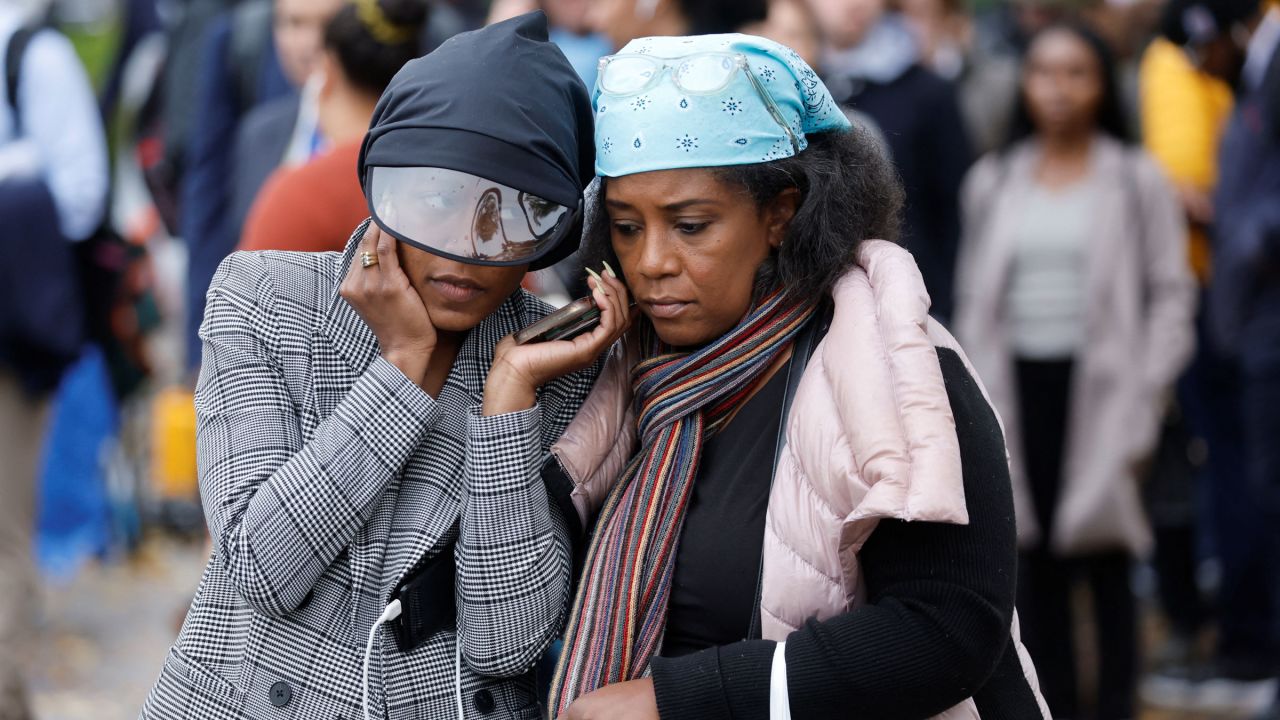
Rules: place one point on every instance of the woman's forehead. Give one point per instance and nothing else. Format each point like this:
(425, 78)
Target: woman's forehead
(665, 187)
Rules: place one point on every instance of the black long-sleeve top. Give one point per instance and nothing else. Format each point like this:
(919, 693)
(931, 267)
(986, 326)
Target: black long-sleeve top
(935, 629)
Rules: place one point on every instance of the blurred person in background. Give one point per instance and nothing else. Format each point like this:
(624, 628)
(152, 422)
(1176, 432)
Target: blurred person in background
(1005, 26)
(368, 429)
(53, 189)
(315, 205)
(1233, 523)
(986, 84)
(791, 23)
(625, 20)
(1244, 296)
(232, 150)
(1185, 107)
(1195, 510)
(941, 28)
(571, 30)
(1075, 301)
(872, 63)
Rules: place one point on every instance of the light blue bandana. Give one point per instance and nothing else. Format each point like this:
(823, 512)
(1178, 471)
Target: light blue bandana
(664, 127)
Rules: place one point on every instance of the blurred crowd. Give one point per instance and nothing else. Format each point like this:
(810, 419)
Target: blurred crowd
(1093, 197)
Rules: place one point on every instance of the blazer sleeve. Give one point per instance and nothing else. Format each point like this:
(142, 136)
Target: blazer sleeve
(280, 510)
(513, 552)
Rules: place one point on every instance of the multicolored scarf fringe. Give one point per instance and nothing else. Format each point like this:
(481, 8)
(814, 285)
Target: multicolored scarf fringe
(620, 611)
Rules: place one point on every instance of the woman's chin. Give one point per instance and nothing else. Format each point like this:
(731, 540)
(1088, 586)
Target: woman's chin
(456, 320)
(681, 333)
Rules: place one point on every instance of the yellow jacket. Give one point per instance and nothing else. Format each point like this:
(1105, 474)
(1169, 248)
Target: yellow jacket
(1184, 112)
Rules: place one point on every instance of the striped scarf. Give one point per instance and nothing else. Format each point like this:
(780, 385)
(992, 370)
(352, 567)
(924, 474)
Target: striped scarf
(682, 399)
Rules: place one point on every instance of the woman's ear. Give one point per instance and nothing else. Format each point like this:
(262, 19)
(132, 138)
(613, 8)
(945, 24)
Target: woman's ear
(779, 213)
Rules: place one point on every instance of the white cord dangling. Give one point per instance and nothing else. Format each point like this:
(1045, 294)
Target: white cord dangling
(457, 673)
(391, 613)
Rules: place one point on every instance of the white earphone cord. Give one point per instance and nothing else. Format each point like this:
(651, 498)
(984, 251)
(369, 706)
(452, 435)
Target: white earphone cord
(391, 613)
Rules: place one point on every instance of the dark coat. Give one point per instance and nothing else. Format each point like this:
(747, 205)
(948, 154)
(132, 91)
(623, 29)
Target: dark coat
(1244, 299)
(920, 117)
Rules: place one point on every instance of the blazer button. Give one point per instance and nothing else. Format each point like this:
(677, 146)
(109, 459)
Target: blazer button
(281, 694)
(484, 702)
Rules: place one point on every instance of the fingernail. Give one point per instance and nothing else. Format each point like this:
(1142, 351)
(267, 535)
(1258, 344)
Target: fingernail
(596, 275)
(609, 270)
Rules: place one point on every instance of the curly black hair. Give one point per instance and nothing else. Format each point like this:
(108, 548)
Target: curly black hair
(849, 192)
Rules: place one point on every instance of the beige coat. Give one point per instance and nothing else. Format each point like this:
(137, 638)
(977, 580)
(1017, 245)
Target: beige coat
(1138, 335)
(871, 436)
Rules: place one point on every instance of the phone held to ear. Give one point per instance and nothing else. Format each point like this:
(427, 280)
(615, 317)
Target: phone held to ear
(566, 323)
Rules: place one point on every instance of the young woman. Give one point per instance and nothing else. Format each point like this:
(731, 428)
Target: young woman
(362, 427)
(803, 501)
(1076, 300)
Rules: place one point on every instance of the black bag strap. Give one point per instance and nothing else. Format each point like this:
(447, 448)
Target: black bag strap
(806, 342)
(13, 53)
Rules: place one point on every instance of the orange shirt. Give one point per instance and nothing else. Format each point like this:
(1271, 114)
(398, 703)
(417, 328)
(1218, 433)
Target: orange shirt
(311, 207)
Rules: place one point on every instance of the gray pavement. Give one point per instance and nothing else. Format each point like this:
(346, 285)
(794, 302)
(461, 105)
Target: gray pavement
(104, 634)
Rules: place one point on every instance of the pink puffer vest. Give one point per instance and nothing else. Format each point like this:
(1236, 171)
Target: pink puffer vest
(870, 436)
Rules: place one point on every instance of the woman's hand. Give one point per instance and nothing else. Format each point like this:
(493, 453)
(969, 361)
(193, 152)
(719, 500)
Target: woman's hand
(519, 370)
(385, 299)
(632, 700)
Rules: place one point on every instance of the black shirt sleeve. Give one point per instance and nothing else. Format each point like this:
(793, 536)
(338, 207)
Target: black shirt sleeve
(935, 626)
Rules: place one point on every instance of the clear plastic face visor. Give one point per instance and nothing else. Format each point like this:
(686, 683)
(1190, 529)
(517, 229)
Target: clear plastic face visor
(465, 217)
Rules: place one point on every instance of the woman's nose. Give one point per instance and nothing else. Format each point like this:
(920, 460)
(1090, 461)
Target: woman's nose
(655, 258)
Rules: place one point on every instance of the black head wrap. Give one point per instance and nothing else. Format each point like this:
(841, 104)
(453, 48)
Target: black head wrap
(501, 103)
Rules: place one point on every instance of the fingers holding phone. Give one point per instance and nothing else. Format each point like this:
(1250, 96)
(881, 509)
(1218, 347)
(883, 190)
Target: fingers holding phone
(553, 350)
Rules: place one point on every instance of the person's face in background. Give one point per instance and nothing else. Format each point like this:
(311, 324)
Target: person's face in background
(1223, 57)
(299, 35)
(570, 15)
(625, 20)
(689, 246)
(1032, 16)
(457, 296)
(1062, 83)
(791, 24)
(844, 23)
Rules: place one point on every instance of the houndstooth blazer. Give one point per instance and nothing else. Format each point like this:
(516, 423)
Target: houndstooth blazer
(326, 477)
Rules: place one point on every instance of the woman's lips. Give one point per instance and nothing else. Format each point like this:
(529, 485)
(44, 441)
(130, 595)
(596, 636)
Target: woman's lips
(665, 309)
(456, 289)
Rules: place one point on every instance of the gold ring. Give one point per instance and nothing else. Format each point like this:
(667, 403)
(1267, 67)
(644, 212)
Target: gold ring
(368, 259)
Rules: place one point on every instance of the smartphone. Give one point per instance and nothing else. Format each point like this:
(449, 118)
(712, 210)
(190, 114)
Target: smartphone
(566, 323)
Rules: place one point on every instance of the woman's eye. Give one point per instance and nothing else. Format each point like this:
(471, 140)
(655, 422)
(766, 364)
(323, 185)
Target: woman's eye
(691, 228)
(623, 228)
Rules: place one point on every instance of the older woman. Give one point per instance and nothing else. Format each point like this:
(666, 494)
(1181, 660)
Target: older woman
(362, 429)
(803, 503)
